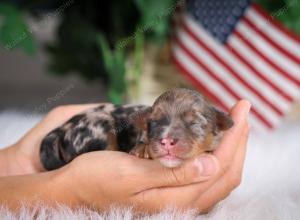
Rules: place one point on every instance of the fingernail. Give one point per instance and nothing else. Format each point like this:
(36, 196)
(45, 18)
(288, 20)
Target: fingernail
(206, 165)
(247, 109)
(248, 106)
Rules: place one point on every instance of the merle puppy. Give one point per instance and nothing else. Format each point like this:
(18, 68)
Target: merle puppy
(180, 125)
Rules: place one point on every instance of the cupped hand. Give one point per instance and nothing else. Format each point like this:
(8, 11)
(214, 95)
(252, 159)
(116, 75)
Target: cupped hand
(102, 179)
(23, 157)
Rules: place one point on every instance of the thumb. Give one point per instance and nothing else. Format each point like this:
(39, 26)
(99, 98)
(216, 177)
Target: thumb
(199, 169)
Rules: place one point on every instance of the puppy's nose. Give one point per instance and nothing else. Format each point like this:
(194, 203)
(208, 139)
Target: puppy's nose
(168, 143)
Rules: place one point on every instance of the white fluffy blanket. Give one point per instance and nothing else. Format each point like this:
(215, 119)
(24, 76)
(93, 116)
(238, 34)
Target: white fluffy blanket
(270, 187)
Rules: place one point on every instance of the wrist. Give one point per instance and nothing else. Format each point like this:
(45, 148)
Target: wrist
(8, 162)
(81, 190)
(29, 156)
(48, 188)
(14, 162)
(4, 163)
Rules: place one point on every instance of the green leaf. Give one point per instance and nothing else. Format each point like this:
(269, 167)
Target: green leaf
(152, 9)
(14, 31)
(138, 63)
(155, 16)
(115, 97)
(106, 52)
(114, 61)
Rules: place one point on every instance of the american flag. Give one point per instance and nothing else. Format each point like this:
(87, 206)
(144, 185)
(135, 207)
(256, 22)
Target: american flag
(232, 49)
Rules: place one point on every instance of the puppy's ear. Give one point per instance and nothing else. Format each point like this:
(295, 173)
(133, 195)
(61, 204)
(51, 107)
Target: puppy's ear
(223, 120)
(140, 118)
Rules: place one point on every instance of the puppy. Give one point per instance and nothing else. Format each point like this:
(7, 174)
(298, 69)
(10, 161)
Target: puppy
(180, 125)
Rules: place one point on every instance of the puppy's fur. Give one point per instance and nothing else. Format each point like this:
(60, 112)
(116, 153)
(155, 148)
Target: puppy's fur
(180, 115)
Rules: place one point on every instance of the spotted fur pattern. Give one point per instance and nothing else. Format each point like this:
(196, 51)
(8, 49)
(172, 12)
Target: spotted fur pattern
(182, 114)
(105, 127)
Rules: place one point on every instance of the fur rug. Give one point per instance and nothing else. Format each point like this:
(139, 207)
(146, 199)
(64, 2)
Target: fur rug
(270, 187)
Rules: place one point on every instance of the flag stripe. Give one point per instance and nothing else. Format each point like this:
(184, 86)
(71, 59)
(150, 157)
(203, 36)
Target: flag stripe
(266, 60)
(215, 69)
(214, 98)
(260, 94)
(211, 86)
(188, 68)
(218, 73)
(270, 53)
(255, 123)
(279, 92)
(256, 59)
(276, 24)
(278, 103)
(274, 30)
(271, 41)
(230, 58)
(236, 75)
(265, 68)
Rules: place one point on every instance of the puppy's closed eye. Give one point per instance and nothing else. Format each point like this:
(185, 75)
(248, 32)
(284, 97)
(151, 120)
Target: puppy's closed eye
(151, 124)
(161, 121)
(194, 118)
(196, 127)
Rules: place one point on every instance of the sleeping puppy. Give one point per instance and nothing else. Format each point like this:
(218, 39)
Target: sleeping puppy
(180, 125)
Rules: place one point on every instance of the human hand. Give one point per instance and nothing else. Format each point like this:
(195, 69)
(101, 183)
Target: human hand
(23, 156)
(101, 179)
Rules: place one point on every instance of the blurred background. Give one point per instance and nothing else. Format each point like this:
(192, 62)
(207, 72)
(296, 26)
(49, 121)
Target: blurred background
(52, 51)
(69, 51)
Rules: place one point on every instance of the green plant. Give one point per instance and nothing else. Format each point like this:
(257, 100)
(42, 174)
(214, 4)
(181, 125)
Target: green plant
(155, 16)
(14, 32)
(286, 11)
(135, 70)
(124, 81)
(114, 62)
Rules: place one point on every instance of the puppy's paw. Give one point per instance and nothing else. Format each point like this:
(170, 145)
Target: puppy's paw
(140, 151)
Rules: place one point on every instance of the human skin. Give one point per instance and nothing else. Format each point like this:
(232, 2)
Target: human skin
(105, 178)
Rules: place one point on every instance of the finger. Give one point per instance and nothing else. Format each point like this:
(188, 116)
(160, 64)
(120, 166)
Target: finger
(229, 143)
(61, 114)
(57, 117)
(156, 200)
(200, 196)
(223, 187)
(200, 169)
(184, 196)
(229, 181)
(238, 164)
(189, 173)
